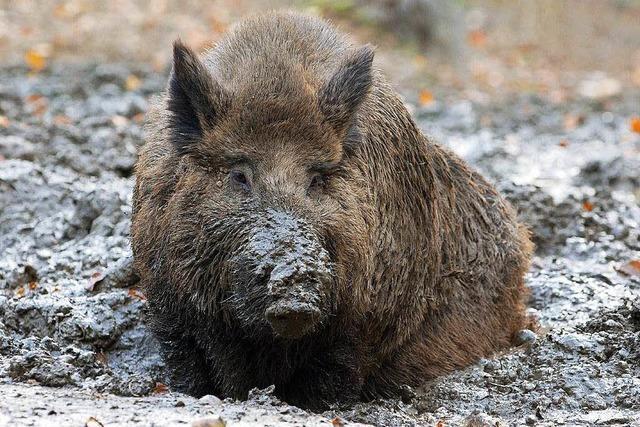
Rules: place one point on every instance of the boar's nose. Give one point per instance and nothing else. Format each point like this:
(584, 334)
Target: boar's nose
(296, 288)
(292, 319)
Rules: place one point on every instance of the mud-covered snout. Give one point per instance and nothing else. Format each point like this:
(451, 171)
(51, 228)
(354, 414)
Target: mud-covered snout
(297, 291)
(284, 277)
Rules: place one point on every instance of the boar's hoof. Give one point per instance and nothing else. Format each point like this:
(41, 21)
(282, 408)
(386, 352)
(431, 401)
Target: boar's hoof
(292, 320)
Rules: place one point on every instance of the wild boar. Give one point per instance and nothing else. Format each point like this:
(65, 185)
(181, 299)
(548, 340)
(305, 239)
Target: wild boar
(293, 226)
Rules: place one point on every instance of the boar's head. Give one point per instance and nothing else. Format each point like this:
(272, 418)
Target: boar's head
(266, 215)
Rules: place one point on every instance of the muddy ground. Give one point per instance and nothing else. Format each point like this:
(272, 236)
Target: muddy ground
(73, 345)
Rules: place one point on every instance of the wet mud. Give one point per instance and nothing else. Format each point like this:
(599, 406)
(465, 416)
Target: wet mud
(73, 342)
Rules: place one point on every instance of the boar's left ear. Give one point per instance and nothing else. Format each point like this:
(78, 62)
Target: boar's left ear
(341, 96)
(196, 100)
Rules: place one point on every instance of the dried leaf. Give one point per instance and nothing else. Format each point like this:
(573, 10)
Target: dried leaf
(635, 124)
(33, 285)
(631, 268)
(4, 121)
(337, 422)
(19, 293)
(119, 121)
(138, 118)
(132, 82)
(35, 60)
(160, 388)
(564, 143)
(477, 38)
(95, 278)
(37, 104)
(440, 423)
(426, 97)
(136, 293)
(572, 121)
(101, 357)
(587, 206)
(62, 120)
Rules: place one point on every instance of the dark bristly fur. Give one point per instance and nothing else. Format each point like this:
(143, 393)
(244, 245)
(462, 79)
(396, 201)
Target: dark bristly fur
(292, 226)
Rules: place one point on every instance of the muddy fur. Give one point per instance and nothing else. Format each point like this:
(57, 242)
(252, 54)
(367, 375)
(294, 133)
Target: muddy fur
(285, 145)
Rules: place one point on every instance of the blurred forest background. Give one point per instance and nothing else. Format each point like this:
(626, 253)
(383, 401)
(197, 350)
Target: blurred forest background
(550, 47)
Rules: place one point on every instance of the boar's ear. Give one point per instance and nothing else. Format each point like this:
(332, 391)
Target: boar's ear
(196, 100)
(341, 96)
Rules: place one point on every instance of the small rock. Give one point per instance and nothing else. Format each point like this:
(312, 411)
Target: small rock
(210, 400)
(526, 336)
(93, 422)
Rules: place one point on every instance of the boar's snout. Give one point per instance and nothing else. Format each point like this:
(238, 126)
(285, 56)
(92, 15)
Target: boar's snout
(287, 272)
(296, 289)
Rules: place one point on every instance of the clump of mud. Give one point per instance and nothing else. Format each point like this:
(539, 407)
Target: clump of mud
(72, 319)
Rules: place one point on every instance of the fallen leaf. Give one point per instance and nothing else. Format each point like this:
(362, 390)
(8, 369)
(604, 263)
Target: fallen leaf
(631, 268)
(477, 38)
(138, 118)
(95, 278)
(37, 104)
(587, 206)
(4, 121)
(337, 422)
(572, 121)
(33, 285)
(440, 423)
(635, 124)
(160, 388)
(35, 60)
(62, 120)
(102, 358)
(132, 82)
(426, 97)
(93, 422)
(136, 293)
(563, 143)
(119, 121)
(19, 293)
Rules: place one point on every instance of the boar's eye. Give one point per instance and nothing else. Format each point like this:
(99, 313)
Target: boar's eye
(317, 183)
(239, 180)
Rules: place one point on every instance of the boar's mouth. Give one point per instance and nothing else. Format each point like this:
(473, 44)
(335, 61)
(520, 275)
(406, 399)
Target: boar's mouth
(292, 319)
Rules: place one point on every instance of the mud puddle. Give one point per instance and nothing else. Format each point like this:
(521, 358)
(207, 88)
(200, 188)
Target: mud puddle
(72, 339)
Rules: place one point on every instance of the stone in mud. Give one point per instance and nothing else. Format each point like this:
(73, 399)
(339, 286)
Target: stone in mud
(292, 226)
(526, 336)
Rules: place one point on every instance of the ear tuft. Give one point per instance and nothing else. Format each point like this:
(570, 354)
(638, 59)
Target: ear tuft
(196, 101)
(341, 96)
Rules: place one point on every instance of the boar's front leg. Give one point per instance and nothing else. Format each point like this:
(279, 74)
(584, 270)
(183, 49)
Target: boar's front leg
(329, 376)
(189, 369)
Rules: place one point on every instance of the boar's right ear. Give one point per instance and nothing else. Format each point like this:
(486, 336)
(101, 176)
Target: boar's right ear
(341, 96)
(196, 100)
